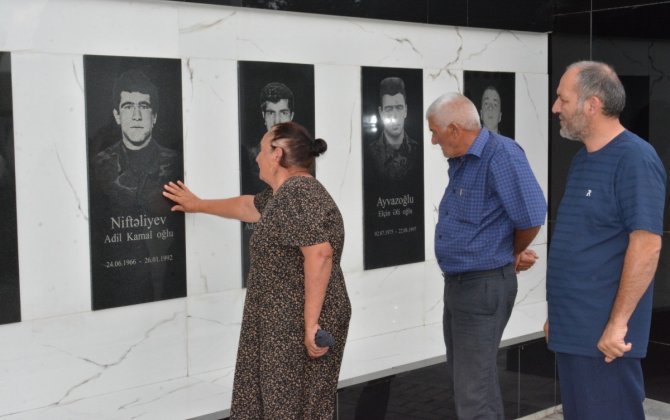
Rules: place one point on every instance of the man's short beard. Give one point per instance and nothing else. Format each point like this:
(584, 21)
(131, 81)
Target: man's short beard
(569, 135)
(577, 129)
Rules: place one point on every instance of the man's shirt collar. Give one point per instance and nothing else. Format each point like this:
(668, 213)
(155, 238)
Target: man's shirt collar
(477, 146)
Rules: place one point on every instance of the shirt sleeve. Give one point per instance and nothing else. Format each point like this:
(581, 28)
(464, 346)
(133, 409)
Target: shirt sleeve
(640, 188)
(262, 198)
(306, 218)
(518, 189)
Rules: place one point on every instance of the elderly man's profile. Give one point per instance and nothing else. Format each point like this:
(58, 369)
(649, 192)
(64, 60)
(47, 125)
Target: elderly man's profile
(394, 153)
(136, 241)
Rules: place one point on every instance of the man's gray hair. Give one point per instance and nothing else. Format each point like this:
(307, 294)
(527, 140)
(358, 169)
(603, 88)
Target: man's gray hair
(454, 107)
(599, 79)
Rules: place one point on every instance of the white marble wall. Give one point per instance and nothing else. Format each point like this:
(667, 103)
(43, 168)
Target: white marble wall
(174, 359)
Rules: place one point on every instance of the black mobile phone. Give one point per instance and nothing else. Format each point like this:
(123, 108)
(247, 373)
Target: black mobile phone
(324, 339)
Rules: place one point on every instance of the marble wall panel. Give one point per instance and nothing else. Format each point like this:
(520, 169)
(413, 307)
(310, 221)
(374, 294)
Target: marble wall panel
(229, 32)
(51, 197)
(105, 27)
(56, 361)
(337, 99)
(213, 330)
(211, 162)
(536, 15)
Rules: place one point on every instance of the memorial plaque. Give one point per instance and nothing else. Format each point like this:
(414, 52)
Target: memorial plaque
(10, 302)
(135, 146)
(269, 93)
(493, 95)
(393, 197)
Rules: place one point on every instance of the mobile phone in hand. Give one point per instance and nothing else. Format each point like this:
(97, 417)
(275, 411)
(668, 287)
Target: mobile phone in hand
(324, 339)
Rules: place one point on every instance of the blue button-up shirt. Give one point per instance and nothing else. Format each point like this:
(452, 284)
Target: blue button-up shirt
(491, 193)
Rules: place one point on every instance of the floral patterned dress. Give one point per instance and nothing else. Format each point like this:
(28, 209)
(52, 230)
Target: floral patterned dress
(274, 376)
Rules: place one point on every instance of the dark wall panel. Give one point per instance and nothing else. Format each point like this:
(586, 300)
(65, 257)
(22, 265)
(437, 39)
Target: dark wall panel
(453, 12)
(571, 6)
(566, 47)
(610, 4)
(521, 15)
(524, 15)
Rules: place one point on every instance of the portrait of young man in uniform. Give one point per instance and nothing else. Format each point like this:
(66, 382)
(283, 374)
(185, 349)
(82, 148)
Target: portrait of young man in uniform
(269, 94)
(393, 220)
(137, 243)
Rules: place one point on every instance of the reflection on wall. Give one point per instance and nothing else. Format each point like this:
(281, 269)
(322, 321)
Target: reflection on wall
(10, 305)
(133, 110)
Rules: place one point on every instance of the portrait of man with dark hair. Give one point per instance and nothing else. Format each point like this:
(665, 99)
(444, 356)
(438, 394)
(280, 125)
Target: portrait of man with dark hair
(490, 111)
(493, 96)
(282, 92)
(276, 104)
(137, 246)
(393, 219)
(136, 164)
(394, 153)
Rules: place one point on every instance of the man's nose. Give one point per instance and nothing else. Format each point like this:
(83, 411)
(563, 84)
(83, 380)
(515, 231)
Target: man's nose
(555, 107)
(137, 115)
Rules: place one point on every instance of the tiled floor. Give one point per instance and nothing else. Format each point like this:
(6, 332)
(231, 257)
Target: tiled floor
(528, 382)
(526, 378)
(653, 410)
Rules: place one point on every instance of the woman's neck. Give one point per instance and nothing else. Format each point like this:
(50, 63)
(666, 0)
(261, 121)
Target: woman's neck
(285, 173)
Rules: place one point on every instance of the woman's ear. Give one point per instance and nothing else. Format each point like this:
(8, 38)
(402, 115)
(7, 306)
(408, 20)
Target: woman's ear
(278, 152)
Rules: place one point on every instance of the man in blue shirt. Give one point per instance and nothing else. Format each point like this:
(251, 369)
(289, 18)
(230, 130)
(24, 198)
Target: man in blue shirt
(492, 209)
(604, 250)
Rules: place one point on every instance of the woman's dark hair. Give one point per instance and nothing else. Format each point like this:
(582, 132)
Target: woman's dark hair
(300, 149)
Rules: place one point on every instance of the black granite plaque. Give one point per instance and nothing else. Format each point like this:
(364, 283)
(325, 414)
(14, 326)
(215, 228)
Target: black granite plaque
(493, 95)
(393, 203)
(10, 303)
(135, 146)
(269, 93)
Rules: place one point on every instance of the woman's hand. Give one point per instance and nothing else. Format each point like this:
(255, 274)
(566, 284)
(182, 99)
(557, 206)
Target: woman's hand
(180, 194)
(313, 350)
